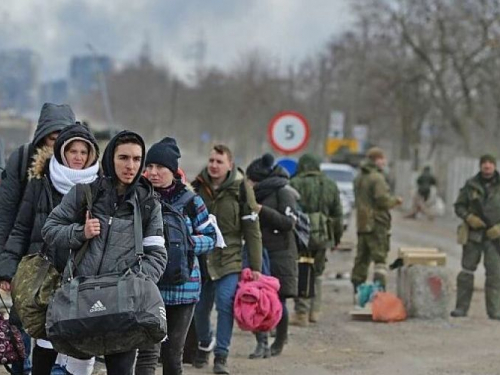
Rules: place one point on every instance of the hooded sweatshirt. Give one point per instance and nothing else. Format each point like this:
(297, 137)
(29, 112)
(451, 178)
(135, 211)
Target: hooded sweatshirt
(53, 118)
(113, 250)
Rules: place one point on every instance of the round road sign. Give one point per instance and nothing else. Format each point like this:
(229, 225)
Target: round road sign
(288, 132)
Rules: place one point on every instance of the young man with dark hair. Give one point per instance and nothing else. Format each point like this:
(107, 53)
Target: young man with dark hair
(109, 228)
(228, 196)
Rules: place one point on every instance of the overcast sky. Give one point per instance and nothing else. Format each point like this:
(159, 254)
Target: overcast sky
(58, 29)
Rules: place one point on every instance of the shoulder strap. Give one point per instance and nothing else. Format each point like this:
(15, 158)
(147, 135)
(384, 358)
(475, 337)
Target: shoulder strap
(87, 192)
(184, 200)
(139, 250)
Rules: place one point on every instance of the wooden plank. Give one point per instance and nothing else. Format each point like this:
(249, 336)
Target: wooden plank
(404, 250)
(429, 259)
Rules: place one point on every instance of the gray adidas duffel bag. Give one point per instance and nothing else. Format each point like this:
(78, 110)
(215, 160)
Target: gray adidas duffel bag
(106, 314)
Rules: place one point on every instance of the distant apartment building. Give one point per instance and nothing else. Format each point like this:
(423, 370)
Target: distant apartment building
(86, 73)
(19, 80)
(54, 92)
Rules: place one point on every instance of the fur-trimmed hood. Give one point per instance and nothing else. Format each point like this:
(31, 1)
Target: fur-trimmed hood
(39, 167)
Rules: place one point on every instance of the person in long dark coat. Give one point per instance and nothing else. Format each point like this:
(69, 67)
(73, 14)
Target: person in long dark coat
(277, 204)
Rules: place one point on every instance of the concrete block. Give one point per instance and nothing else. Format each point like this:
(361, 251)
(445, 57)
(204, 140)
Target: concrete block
(425, 290)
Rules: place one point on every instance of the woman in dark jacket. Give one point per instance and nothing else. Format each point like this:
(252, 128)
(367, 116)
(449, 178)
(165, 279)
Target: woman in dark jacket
(277, 202)
(75, 160)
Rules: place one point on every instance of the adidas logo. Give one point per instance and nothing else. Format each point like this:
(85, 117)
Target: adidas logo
(98, 306)
(163, 313)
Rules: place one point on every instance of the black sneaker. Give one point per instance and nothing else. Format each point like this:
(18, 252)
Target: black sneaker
(220, 365)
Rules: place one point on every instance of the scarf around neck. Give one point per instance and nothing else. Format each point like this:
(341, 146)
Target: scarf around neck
(64, 178)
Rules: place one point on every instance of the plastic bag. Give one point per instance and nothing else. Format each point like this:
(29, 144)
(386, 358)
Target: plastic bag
(387, 307)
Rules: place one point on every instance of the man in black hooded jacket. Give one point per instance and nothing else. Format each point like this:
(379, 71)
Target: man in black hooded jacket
(53, 118)
(110, 226)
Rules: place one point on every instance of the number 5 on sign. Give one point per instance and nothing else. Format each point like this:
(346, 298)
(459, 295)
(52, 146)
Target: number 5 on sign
(288, 132)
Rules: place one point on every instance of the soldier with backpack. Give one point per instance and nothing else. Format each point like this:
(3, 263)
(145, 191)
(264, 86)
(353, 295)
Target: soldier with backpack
(320, 200)
(189, 233)
(53, 118)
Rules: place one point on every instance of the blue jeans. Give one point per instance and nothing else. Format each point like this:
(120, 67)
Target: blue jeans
(23, 367)
(221, 292)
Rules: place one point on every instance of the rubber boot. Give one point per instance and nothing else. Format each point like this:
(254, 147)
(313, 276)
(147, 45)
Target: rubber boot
(220, 366)
(281, 336)
(262, 349)
(492, 295)
(465, 288)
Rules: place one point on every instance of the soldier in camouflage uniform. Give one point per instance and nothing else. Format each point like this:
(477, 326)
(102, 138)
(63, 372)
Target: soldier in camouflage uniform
(373, 202)
(318, 195)
(478, 205)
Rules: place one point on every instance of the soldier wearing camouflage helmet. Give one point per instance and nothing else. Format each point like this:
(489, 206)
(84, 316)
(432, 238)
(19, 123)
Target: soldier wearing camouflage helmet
(478, 205)
(373, 202)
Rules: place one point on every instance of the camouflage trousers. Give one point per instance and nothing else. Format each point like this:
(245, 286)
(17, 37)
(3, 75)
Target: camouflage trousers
(308, 305)
(471, 256)
(372, 247)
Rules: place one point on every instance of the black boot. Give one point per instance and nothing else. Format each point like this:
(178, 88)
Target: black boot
(201, 358)
(220, 365)
(465, 288)
(262, 350)
(281, 336)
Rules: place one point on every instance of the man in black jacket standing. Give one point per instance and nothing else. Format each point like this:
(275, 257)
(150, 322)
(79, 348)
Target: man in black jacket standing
(109, 228)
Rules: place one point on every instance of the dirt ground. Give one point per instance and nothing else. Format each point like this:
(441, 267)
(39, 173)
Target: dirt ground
(339, 345)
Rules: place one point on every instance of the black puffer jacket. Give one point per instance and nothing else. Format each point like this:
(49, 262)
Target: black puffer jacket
(275, 195)
(53, 118)
(113, 250)
(39, 200)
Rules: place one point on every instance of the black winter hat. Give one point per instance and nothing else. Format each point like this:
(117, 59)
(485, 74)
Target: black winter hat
(166, 153)
(487, 157)
(260, 168)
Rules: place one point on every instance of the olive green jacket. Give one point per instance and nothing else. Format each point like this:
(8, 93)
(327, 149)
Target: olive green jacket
(373, 199)
(319, 194)
(230, 205)
(475, 199)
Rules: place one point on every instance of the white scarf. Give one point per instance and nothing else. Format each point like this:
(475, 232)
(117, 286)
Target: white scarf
(64, 178)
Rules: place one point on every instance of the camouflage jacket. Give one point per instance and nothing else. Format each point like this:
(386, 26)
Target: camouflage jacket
(373, 199)
(480, 199)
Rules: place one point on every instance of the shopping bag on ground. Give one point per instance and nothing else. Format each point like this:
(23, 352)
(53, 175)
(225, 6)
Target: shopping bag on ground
(387, 307)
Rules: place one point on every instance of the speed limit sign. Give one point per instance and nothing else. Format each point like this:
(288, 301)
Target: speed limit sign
(288, 132)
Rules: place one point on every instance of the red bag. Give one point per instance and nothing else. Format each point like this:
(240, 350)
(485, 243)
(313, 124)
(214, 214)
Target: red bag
(386, 307)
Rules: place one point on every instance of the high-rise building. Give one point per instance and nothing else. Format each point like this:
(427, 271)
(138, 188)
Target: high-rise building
(86, 73)
(54, 92)
(19, 80)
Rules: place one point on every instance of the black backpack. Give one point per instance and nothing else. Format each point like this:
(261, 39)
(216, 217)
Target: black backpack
(180, 247)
